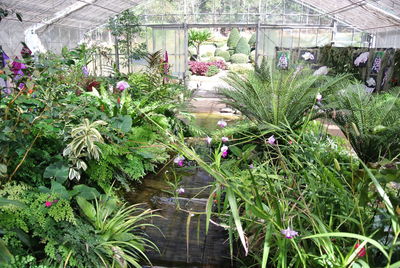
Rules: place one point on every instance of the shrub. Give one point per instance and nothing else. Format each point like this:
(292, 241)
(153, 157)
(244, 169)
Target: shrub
(233, 38)
(241, 68)
(212, 70)
(231, 51)
(252, 40)
(239, 58)
(207, 54)
(201, 68)
(223, 53)
(213, 59)
(242, 47)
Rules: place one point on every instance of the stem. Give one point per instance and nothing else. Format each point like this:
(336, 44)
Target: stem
(25, 155)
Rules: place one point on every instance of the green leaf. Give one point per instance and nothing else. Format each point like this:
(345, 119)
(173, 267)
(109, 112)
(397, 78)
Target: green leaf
(351, 235)
(5, 255)
(3, 169)
(58, 189)
(87, 208)
(123, 122)
(58, 170)
(86, 192)
(6, 202)
(236, 217)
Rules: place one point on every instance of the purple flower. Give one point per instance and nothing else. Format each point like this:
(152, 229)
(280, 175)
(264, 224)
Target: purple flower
(251, 166)
(318, 97)
(222, 123)
(209, 140)
(180, 190)
(122, 85)
(85, 72)
(7, 91)
(21, 85)
(224, 150)
(5, 59)
(289, 233)
(225, 139)
(179, 160)
(271, 140)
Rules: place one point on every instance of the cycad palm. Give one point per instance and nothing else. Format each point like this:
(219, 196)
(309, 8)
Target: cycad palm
(281, 98)
(370, 122)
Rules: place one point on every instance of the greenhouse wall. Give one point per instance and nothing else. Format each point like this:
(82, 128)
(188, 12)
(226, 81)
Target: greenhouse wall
(388, 39)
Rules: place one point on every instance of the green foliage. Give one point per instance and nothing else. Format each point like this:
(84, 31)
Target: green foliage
(242, 47)
(197, 37)
(370, 122)
(212, 70)
(340, 59)
(239, 58)
(231, 51)
(233, 38)
(281, 98)
(119, 227)
(222, 53)
(252, 40)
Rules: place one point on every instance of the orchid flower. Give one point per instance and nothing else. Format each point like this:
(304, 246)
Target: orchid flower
(122, 85)
(271, 140)
(179, 160)
(224, 150)
(209, 140)
(289, 233)
(222, 123)
(225, 139)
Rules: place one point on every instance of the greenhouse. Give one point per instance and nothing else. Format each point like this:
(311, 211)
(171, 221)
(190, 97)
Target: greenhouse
(199, 133)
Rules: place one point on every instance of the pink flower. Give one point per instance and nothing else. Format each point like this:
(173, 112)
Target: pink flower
(222, 123)
(48, 204)
(209, 140)
(271, 140)
(180, 190)
(122, 85)
(55, 201)
(290, 142)
(362, 251)
(179, 160)
(289, 233)
(251, 166)
(224, 150)
(318, 97)
(225, 139)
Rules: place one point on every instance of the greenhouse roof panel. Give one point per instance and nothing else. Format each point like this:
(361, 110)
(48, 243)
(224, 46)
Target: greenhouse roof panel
(370, 16)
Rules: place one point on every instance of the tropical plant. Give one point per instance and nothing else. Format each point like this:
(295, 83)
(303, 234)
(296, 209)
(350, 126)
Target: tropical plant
(83, 145)
(197, 38)
(281, 98)
(121, 242)
(370, 122)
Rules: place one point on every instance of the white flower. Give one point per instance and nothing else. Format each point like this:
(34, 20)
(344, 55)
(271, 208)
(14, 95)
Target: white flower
(307, 56)
(318, 97)
(362, 58)
(225, 139)
(209, 140)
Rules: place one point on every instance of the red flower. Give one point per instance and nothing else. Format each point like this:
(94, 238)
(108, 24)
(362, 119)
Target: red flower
(91, 85)
(48, 204)
(362, 252)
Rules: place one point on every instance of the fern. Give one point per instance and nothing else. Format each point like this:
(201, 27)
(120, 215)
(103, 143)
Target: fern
(370, 122)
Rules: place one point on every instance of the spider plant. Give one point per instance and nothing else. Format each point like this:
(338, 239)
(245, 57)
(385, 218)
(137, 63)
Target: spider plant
(121, 243)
